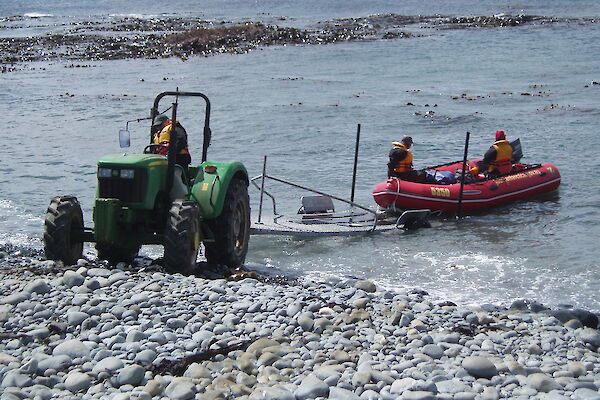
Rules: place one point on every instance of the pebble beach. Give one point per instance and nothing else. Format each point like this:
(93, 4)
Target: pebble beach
(497, 306)
(90, 331)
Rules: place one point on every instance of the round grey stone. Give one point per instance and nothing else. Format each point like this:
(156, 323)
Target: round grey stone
(77, 381)
(542, 382)
(293, 309)
(370, 395)
(479, 367)
(131, 375)
(197, 371)
(271, 393)
(39, 286)
(451, 386)
(153, 388)
(73, 348)
(586, 394)
(72, 278)
(158, 337)
(30, 367)
(577, 368)
(591, 336)
(145, 356)
(433, 350)
(404, 384)
(14, 298)
(56, 363)
(337, 393)
(135, 336)
(108, 364)
(75, 318)
(180, 389)
(417, 395)
(365, 285)
(99, 272)
(16, 379)
(361, 302)
(175, 323)
(310, 388)
(306, 322)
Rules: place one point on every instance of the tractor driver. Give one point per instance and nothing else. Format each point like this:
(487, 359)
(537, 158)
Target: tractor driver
(161, 134)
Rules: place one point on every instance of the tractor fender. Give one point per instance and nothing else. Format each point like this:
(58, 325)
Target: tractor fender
(211, 183)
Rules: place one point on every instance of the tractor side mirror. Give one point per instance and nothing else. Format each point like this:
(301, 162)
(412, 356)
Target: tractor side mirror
(124, 138)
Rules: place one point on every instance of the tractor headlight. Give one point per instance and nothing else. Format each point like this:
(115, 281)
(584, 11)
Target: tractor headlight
(127, 174)
(104, 173)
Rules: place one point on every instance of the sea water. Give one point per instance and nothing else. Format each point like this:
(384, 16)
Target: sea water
(300, 106)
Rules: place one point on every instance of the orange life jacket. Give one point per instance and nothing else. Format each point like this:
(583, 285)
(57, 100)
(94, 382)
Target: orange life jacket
(503, 161)
(164, 137)
(406, 164)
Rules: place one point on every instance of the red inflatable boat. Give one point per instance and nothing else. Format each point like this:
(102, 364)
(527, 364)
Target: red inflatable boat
(478, 194)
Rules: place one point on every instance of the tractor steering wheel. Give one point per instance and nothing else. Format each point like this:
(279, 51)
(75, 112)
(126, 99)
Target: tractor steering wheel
(156, 149)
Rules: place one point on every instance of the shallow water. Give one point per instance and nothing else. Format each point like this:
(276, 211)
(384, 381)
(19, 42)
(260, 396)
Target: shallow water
(300, 105)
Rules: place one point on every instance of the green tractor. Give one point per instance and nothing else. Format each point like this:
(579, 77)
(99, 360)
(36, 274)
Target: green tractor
(150, 199)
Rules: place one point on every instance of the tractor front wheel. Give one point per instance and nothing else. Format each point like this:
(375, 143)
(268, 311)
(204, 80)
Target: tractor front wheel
(232, 228)
(114, 254)
(182, 237)
(63, 227)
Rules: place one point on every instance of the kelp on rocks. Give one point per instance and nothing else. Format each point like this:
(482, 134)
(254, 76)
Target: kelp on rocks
(164, 37)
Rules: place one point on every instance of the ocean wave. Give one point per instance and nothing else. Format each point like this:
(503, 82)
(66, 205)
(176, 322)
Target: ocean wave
(137, 16)
(37, 15)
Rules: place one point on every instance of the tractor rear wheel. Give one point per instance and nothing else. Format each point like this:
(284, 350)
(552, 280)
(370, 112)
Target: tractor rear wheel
(182, 237)
(232, 228)
(62, 225)
(114, 254)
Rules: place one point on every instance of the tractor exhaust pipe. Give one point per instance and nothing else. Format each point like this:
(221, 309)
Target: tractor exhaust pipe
(171, 155)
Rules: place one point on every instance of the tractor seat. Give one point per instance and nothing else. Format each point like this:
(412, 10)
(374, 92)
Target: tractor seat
(316, 205)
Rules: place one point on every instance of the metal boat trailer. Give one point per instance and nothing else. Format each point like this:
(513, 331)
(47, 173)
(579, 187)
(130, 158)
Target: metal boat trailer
(317, 215)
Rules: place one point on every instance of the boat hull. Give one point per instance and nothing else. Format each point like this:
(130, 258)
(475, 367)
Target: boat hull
(527, 182)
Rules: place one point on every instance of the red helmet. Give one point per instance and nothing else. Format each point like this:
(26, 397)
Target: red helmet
(500, 135)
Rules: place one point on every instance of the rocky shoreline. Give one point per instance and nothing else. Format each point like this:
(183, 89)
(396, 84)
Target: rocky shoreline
(91, 332)
(163, 37)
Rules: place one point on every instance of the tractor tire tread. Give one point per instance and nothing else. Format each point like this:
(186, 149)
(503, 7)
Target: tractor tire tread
(178, 245)
(223, 250)
(63, 217)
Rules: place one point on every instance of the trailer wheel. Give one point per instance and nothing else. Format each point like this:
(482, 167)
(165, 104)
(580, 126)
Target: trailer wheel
(182, 237)
(62, 224)
(114, 254)
(232, 228)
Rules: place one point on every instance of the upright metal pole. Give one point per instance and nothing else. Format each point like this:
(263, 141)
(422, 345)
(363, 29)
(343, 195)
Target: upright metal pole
(262, 188)
(355, 163)
(462, 177)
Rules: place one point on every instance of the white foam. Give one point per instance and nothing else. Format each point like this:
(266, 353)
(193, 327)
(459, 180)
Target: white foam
(16, 239)
(37, 15)
(134, 15)
(14, 218)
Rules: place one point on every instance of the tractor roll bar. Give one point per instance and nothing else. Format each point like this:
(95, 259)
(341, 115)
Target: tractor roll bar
(206, 132)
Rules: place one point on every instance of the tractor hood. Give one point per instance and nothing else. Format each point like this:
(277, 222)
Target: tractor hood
(133, 160)
(134, 179)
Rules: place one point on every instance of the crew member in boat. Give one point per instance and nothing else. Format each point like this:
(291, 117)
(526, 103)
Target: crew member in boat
(400, 163)
(497, 160)
(161, 135)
